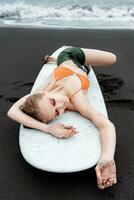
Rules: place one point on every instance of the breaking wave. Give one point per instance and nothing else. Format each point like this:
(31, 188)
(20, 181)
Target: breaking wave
(22, 12)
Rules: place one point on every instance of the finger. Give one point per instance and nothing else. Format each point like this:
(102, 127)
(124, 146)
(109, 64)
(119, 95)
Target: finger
(98, 175)
(105, 179)
(73, 130)
(98, 172)
(73, 133)
(113, 181)
(71, 127)
(108, 184)
(70, 133)
(102, 187)
(67, 127)
(67, 135)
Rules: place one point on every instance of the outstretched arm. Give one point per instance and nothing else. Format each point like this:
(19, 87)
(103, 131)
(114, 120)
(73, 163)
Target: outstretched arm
(58, 130)
(105, 126)
(105, 169)
(98, 57)
(17, 115)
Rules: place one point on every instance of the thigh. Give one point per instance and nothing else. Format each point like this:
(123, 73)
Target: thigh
(98, 57)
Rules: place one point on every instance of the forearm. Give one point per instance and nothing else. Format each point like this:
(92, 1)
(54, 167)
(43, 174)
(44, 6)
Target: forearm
(108, 141)
(58, 130)
(17, 115)
(104, 125)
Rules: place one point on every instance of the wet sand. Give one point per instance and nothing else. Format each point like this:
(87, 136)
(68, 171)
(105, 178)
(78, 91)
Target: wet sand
(20, 62)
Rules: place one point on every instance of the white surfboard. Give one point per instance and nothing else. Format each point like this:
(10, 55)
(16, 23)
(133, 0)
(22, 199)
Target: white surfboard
(76, 153)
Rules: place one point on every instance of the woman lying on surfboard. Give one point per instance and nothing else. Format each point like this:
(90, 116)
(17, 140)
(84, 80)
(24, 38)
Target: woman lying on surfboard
(65, 89)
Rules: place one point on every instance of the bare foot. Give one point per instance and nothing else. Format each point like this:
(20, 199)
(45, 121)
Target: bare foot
(47, 59)
(106, 174)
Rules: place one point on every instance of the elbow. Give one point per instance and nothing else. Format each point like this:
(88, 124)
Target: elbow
(105, 124)
(111, 125)
(108, 125)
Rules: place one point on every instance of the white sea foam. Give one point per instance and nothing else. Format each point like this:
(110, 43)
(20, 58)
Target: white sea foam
(74, 15)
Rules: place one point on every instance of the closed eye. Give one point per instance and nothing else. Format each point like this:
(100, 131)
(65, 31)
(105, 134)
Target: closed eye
(52, 101)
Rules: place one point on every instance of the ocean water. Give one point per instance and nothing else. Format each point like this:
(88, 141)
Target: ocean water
(115, 14)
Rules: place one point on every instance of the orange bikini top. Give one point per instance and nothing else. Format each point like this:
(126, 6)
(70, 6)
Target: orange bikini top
(61, 72)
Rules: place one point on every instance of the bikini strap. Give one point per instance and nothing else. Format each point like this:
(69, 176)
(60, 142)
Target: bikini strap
(75, 93)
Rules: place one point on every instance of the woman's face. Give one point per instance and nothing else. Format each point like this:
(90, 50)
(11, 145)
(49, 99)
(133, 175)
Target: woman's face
(52, 105)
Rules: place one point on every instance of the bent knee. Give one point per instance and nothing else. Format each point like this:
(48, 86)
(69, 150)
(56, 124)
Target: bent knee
(114, 58)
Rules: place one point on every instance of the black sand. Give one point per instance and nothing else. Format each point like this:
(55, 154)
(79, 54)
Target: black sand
(21, 51)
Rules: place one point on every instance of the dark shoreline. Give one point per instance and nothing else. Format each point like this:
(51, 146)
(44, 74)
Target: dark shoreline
(20, 62)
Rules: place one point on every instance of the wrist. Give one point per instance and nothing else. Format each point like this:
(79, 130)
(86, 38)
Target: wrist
(106, 158)
(49, 128)
(45, 128)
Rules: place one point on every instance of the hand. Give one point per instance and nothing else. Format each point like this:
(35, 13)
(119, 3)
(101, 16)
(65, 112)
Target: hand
(62, 131)
(106, 173)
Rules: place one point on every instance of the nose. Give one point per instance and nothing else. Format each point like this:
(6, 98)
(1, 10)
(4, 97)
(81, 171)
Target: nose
(59, 105)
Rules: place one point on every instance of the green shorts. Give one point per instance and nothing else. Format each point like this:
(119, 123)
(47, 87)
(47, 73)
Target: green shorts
(75, 54)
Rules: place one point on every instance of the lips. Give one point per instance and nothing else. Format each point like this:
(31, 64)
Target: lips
(65, 102)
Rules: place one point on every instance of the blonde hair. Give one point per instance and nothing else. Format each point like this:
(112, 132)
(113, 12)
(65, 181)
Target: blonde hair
(31, 107)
